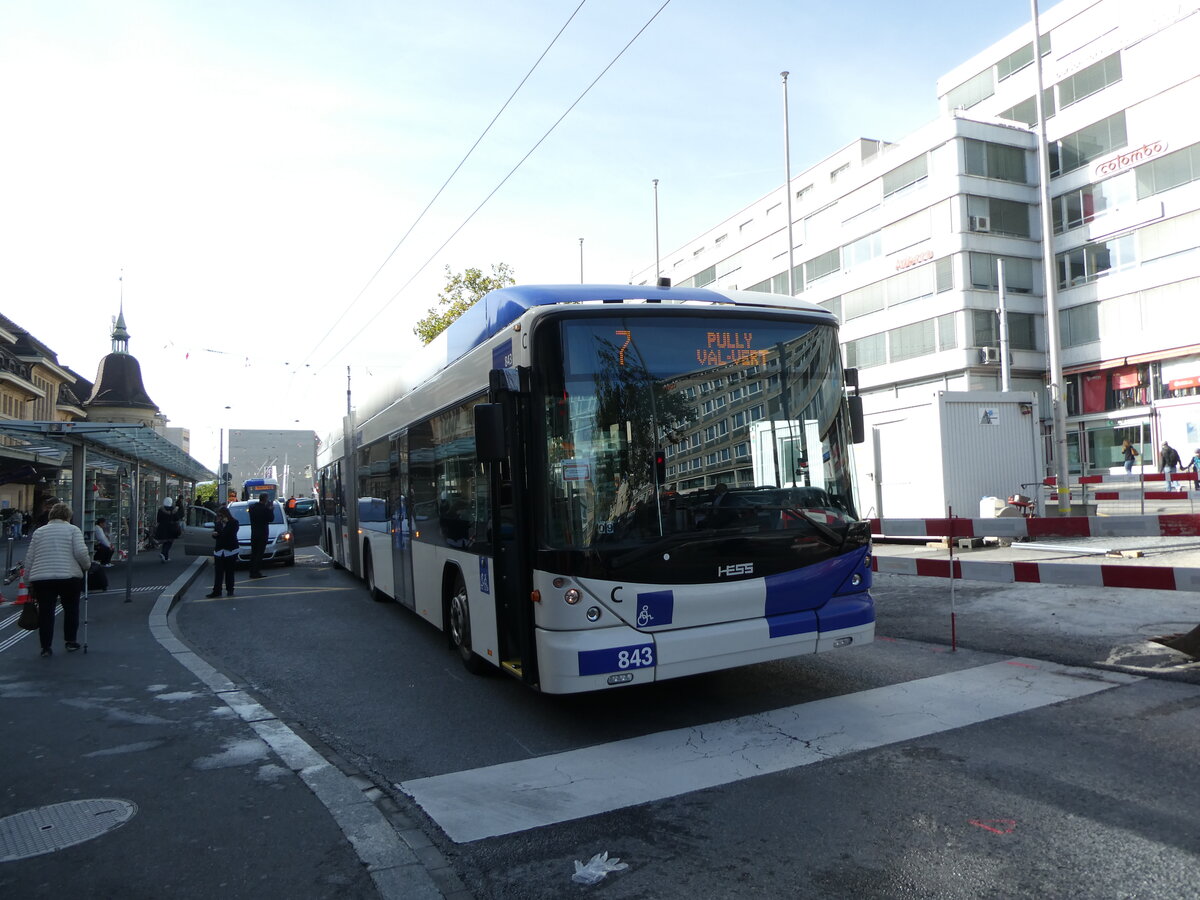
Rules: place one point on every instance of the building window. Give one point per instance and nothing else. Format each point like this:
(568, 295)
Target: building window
(862, 251)
(1086, 82)
(1025, 112)
(972, 91)
(1095, 260)
(838, 172)
(944, 274)
(985, 329)
(705, 276)
(1075, 208)
(834, 305)
(1019, 59)
(1077, 150)
(903, 176)
(864, 300)
(825, 264)
(866, 352)
(913, 340)
(910, 285)
(947, 332)
(991, 214)
(1168, 172)
(804, 192)
(999, 161)
(1018, 273)
(1079, 324)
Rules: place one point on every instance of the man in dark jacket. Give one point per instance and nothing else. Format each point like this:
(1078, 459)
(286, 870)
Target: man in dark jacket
(262, 514)
(1168, 463)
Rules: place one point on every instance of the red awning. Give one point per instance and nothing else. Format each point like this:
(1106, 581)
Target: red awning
(1125, 378)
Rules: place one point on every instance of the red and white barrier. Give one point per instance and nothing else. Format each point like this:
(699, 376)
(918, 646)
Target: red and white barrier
(1159, 578)
(1134, 494)
(1050, 526)
(1122, 478)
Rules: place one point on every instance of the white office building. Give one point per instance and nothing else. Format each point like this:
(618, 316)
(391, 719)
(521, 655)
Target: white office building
(902, 240)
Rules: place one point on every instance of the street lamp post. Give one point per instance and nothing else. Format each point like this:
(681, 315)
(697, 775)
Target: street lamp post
(581, 260)
(657, 257)
(1058, 422)
(787, 187)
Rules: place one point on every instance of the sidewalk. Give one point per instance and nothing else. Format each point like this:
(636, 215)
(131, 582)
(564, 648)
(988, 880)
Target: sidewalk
(152, 775)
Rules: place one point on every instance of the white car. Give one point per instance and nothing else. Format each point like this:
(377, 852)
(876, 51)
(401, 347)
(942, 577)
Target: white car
(281, 543)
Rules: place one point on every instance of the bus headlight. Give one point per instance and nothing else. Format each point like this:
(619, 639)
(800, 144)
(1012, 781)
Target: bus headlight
(572, 596)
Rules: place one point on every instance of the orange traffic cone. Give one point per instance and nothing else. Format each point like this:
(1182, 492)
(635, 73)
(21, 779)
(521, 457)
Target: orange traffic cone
(22, 593)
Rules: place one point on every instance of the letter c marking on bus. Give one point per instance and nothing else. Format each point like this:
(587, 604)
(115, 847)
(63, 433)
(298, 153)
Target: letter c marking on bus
(613, 596)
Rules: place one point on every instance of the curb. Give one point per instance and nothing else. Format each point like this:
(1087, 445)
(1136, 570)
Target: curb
(398, 872)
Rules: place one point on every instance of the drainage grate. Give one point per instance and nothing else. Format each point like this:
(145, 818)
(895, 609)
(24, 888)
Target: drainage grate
(50, 828)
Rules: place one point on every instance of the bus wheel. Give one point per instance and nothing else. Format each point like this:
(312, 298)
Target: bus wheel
(459, 626)
(369, 576)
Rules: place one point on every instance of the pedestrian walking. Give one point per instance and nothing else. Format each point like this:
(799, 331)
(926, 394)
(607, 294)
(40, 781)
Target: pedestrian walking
(104, 547)
(1129, 452)
(261, 516)
(225, 552)
(55, 564)
(1194, 465)
(167, 528)
(1168, 463)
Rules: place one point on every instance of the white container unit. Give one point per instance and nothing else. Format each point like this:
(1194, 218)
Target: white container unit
(950, 452)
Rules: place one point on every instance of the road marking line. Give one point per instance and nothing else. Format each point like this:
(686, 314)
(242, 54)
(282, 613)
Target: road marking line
(516, 796)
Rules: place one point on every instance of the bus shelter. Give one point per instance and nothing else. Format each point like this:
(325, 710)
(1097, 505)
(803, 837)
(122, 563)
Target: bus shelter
(120, 472)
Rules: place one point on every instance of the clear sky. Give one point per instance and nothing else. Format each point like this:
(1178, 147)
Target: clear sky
(251, 164)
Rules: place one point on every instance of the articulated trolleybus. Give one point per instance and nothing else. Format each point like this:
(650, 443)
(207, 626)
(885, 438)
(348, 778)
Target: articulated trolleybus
(588, 486)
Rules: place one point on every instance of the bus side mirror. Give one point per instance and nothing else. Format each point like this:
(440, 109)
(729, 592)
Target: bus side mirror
(858, 428)
(489, 433)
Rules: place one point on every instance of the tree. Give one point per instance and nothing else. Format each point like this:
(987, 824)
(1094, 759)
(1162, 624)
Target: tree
(461, 291)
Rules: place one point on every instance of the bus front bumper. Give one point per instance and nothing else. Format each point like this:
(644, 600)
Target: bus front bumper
(575, 661)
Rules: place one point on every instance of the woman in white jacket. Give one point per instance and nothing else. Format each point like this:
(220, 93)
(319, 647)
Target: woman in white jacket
(55, 564)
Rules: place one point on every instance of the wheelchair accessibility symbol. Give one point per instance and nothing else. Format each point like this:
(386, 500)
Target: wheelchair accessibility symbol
(644, 618)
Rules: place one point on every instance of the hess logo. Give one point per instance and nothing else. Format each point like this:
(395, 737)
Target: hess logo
(735, 569)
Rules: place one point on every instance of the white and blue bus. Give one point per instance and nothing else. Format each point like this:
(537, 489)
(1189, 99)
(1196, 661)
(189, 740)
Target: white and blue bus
(591, 485)
(253, 488)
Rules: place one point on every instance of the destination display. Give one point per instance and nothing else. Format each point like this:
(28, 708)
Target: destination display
(670, 348)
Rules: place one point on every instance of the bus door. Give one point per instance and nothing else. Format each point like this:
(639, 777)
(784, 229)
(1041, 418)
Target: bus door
(501, 441)
(401, 527)
(335, 534)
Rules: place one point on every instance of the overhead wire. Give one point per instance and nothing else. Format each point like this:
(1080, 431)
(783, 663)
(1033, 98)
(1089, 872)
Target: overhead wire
(450, 178)
(466, 221)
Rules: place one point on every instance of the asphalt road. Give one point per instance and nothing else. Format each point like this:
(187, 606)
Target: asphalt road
(1084, 797)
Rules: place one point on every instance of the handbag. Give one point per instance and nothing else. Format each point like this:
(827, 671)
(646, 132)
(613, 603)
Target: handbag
(29, 618)
(97, 578)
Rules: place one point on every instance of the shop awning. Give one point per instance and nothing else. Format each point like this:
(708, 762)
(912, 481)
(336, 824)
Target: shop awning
(128, 442)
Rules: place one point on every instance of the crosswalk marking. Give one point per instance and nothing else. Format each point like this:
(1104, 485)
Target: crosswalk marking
(516, 796)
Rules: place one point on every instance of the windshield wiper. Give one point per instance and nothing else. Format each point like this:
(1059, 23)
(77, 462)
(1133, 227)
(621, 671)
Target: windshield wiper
(830, 535)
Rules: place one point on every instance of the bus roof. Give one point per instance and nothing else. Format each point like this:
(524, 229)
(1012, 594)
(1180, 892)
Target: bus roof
(503, 306)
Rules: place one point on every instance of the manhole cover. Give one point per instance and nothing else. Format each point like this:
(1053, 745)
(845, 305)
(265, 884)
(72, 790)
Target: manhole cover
(50, 828)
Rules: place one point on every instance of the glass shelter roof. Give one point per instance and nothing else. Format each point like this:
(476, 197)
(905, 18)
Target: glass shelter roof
(129, 442)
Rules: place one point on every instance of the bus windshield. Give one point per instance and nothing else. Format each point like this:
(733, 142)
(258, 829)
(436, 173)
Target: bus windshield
(694, 425)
